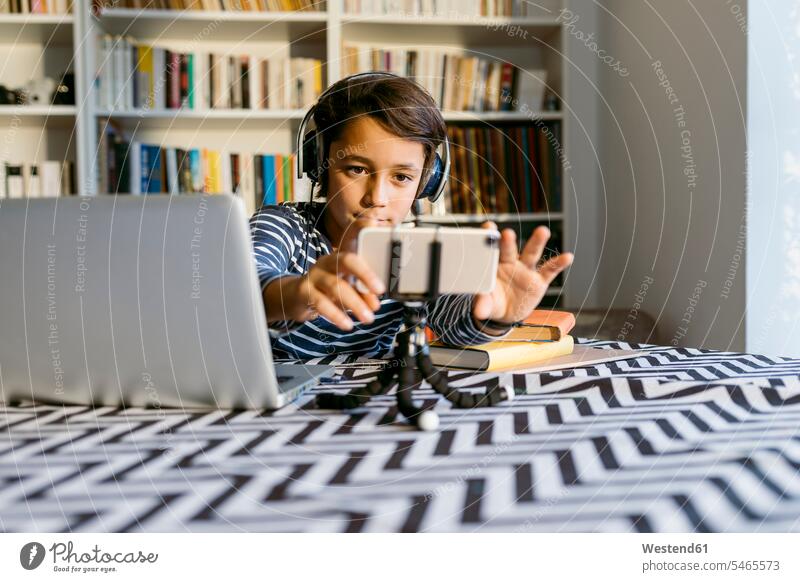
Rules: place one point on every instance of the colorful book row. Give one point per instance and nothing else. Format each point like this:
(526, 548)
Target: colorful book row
(139, 76)
(215, 5)
(456, 82)
(35, 6)
(491, 8)
(133, 167)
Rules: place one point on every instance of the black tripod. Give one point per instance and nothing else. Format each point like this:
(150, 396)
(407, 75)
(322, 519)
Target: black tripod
(411, 353)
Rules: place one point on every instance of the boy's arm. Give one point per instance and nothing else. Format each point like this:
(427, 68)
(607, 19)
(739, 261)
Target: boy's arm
(274, 233)
(451, 319)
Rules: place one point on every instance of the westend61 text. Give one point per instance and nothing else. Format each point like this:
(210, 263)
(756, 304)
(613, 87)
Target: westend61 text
(671, 549)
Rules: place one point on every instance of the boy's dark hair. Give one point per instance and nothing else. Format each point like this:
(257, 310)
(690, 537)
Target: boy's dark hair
(402, 106)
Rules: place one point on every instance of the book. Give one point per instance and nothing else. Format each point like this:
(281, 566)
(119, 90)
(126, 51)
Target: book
(530, 88)
(443, 8)
(216, 5)
(546, 325)
(34, 7)
(456, 82)
(580, 356)
(499, 355)
(130, 167)
(507, 168)
(133, 75)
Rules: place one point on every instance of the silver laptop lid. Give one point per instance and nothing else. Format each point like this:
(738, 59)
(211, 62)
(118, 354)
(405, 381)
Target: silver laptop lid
(141, 300)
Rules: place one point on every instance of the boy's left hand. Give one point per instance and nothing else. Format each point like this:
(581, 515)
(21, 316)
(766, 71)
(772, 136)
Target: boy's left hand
(521, 282)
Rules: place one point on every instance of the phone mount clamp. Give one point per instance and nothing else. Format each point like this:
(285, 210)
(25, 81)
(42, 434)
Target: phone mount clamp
(411, 353)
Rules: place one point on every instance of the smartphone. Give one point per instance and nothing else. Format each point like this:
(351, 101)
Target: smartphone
(468, 259)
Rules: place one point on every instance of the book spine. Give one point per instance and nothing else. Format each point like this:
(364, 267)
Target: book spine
(130, 73)
(172, 171)
(189, 81)
(135, 172)
(270, 183)
(118, 68)
(287, 179)
(159, 78)
(278, 178)
(528, 174)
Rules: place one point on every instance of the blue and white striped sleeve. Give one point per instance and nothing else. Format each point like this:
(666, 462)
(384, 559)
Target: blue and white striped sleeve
(274, 231)
(450, 318)
(276, 234)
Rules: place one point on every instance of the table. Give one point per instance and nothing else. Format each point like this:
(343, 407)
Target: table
(674, 440)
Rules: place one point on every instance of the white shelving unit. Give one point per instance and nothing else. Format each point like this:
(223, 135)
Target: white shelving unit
(71, 132)
(37, 46)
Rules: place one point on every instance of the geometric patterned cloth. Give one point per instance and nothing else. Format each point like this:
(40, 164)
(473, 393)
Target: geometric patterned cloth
(674, 440)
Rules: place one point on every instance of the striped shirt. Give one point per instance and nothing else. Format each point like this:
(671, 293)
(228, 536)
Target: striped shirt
(287, 240)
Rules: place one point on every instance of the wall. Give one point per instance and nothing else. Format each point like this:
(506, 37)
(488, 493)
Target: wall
(672, 118)
(585, 205)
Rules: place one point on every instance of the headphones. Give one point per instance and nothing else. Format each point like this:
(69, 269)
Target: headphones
(311, 153)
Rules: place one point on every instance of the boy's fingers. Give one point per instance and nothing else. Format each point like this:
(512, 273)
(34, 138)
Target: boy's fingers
(372, 300)
(508, 242)
(326, 308)
(357, 266)
(348, 298)
(508, 246)
(534, 248)
(554, 266)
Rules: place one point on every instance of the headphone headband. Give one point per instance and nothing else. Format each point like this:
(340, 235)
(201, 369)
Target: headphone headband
(440, 170)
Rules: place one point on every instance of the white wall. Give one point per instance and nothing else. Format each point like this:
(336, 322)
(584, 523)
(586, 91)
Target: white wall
(582, 225)
(672, 240)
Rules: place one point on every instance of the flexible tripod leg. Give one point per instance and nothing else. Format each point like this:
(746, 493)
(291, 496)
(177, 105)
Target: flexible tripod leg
(424, 419)
(459, 399)
(358, 397)
(410, 353)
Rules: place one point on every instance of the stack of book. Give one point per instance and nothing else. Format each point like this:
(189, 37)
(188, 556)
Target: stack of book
(504, 169)
(456, 82)
(492, 8)
(542, 336)
(35, 6)
(140, 76)
(37, 180)
(132, 167)
(227, 5)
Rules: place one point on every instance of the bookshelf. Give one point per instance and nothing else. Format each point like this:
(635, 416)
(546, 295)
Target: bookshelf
(535, 41)
(34, 46)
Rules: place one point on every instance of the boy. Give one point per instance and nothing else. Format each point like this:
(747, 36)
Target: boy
(379, 136)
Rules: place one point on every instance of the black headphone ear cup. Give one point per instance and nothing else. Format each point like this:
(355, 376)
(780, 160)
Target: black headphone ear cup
(434, 181)
(310, 161)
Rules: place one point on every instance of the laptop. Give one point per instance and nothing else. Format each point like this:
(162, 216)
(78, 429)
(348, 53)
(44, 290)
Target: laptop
(136, 301)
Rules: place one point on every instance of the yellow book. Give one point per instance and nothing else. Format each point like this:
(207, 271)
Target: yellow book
(499, 355)
(317, 78)
(208, 186)
(145, 70)
(215, 168)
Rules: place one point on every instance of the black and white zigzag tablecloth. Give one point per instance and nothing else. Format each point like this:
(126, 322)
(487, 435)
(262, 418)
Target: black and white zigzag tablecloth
(675, 440)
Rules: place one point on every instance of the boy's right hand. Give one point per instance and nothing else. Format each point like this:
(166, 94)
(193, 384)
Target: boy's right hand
(326, 290)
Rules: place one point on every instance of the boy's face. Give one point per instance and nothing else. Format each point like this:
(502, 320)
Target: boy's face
(373, 174)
